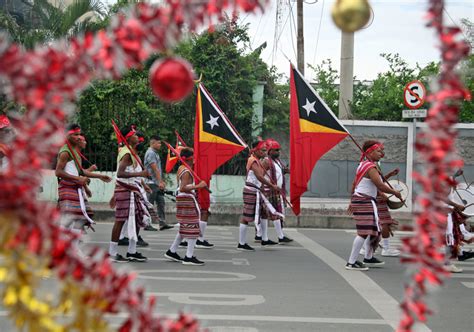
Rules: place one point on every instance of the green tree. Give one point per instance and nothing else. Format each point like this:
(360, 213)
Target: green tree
(229, 73)
(49, 22)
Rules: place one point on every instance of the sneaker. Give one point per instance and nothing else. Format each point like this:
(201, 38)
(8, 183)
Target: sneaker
(119, 259)
(466, 255)
(245, 247)
(390, 252)
(204, 244)
(358, 266)
(136, 257)
(373, 262)
(183, 244)
(258, 239)
(285, 240)
(268, 243)
(452, 268)
(164, 227)
(173, 256)
(150, 228)
(141, 242)
(191, 261)
(123, 242)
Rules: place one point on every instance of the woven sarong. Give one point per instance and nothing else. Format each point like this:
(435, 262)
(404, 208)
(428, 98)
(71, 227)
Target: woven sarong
(384, 214)
(123, 194)
(250, 205)
(364, 214)
(188, 216)
(69, 202)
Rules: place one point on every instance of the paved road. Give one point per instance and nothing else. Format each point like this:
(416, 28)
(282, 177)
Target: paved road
(302, 287)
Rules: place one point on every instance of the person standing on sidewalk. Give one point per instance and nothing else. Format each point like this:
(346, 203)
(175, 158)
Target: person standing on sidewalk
(155, 182)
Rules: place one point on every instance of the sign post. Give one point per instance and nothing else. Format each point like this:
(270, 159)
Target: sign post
(414, 96)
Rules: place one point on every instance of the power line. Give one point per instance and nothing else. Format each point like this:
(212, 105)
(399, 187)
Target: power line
(319, 31)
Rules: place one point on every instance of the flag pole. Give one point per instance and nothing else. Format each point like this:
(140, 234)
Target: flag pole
(185, 164)
(378, 170)
(120, 136)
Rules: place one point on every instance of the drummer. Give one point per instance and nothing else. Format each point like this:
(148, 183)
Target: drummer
(367, 183)
(456, 232)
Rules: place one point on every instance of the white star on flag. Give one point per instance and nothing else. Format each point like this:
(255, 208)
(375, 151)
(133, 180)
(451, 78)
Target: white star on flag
(213, 121)
(309, 107)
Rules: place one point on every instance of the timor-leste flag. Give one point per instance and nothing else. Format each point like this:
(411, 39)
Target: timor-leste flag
(171, 159)
(314, 130)
(215, 140)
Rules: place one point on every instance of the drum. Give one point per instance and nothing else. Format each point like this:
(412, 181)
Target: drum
(393, 202)
(465, 186)
(465, 197)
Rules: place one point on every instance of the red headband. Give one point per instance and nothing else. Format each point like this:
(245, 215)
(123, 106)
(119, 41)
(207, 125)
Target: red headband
(187, 158)
(369, 150)
(131, 132)
(73, 131)
(260, 145)
(272, 144)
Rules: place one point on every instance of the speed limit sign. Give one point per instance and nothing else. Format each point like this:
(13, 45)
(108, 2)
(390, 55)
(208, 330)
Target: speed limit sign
(414, 94)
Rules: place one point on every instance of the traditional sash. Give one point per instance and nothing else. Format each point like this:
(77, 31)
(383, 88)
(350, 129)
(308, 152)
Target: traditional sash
(362, 170)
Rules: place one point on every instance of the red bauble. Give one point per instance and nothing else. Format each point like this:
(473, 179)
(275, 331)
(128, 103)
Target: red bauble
(171, 79)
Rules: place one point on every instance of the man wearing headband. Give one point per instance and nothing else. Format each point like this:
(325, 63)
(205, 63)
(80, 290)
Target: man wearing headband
(367, 183)
(129, 199)
(73, 180)
(275, 172)
(256, 206)
(188, 212)
(155, 181)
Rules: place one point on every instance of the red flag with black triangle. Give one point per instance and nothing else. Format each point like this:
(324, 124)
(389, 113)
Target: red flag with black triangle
(314, 130)
(215, 140)
(172, 160)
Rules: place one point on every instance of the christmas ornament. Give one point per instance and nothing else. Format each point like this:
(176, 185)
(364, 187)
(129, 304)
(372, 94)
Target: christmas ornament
(172, 79)
(436, 147)
(351, 15)
(47, 81)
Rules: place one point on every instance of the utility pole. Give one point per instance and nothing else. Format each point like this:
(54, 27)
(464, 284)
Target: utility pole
(300, 37)
(347, 75)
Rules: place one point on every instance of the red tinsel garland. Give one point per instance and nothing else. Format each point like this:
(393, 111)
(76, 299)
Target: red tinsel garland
(435, 146)
(47, 81)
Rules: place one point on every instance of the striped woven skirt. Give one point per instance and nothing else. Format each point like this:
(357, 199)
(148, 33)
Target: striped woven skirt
(253, 207)
(385, 217)
(188, 215)
(69, 202)
(364, 212)
(123, 198)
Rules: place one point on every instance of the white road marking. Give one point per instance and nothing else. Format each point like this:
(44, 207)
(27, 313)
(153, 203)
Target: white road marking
(210, 299)
(468, 284)
(384, 304)
(462, 275)
(142, 274)
(234, 261)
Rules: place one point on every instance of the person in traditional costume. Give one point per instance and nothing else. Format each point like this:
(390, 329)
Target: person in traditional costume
(188, 211)
(275, 173)
(455, 225)
(129, 199)
(257, 208)
(72, 181)
(363, 207)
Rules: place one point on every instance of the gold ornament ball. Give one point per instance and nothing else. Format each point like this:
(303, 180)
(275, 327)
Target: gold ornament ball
(351, 15)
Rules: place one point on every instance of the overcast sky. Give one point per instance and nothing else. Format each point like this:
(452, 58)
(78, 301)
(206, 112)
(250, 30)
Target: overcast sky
(398, 27)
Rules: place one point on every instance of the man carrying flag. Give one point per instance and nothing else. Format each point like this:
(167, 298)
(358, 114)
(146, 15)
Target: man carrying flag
(215, 142)
(314, 130)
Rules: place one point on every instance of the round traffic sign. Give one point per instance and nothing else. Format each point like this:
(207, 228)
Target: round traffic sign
(414, 94)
